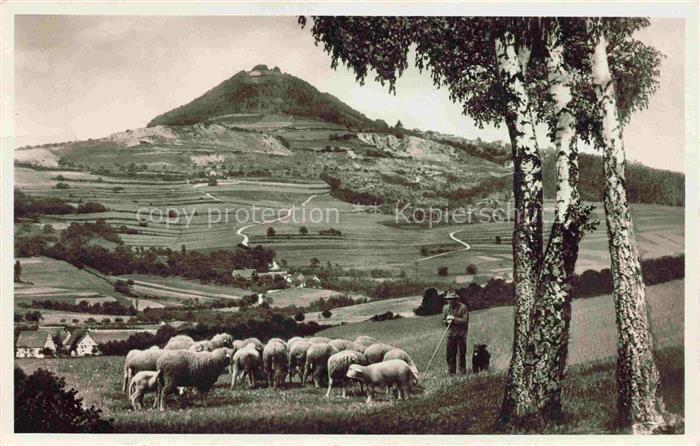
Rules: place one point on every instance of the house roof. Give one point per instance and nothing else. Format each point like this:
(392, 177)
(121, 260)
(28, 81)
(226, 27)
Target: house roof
(104, 336)
(248, 272)
(74, 337)
(32, 339)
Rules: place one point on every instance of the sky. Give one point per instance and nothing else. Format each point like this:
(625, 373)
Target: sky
(79, 77)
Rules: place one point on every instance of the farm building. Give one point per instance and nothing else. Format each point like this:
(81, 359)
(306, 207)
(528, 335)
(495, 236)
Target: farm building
(31, 344)
(88, 342)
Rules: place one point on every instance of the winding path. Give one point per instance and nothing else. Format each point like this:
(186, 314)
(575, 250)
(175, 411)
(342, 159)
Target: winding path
(284, 217)
(452, 236)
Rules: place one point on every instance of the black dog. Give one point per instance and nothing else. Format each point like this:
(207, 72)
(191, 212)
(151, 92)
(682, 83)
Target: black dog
(480, 358)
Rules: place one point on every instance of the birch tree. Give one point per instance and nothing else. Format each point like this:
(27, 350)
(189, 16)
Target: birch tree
(639, 401)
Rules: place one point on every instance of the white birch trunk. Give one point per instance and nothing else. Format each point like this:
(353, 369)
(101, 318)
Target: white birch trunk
(640, 405)
(527, 234)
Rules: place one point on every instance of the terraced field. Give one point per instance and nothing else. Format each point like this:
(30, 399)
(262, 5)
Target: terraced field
(215, 217)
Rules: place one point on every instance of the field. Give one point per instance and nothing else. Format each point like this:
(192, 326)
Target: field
(460, 405)
(361, 312)
(220, 217)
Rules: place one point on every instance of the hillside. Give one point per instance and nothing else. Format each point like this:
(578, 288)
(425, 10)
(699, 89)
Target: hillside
(263, 91)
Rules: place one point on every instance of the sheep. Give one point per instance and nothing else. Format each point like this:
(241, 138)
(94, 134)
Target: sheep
(179, 342)
(344, 344)
(316, 361)
(280, 340)
(138, 360)
(297, 358)
(275, 363)
(189, 369)
(319, 340)
(375, 352)
(293, 340)
(258, 345)
(338, 365)
(245, 361)
(366, 341)
(154, 347)
(220, 340)
(238, 343)
(394, 371)
(143, 382)
(397, 353)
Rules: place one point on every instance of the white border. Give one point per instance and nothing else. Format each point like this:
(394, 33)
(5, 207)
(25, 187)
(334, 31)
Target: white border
(687, 10)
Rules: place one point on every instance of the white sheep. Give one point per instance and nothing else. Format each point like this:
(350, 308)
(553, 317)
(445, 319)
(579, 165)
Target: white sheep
(338, 366)
(366, 340)
(245, 362)
(136, 361)
(200, 370)
(293, 340)
(275, 363)
(319, 340)
(297, 358)
(375, 352)
(259, 346)
(344, 344)
(316, 362)
(142, 383)
(387, 373)
(179, 342)
(220, 340)
(397, 353)
(280, 340)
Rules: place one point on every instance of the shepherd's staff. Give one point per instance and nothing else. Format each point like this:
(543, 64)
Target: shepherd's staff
(436, 349)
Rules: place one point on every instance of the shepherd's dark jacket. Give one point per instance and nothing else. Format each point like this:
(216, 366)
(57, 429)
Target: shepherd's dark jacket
(460, 323)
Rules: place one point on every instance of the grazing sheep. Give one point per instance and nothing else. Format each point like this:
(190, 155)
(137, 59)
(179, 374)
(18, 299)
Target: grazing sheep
(293, 340)
(220, 340)
(366, 341)
(258, 345)
(154, 347)
(245, 362)
(238, 343)
(344, 344)
(481, 358)
(338, 365)
(297, 358)
(319, 340)
(280, 340)
(387, 373)
(375, 352)
(316, 362)
(189, 369)
(143, 382)
(136, 361)
(179, 342)
(397, 353)
(275, 363)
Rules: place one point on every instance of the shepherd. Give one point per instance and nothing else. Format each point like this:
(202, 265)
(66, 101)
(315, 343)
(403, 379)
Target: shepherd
(456, 316)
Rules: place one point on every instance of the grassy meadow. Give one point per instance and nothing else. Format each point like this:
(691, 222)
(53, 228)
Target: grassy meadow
(447, 405)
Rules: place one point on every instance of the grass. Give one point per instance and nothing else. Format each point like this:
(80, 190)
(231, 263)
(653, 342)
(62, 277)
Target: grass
(448, 405)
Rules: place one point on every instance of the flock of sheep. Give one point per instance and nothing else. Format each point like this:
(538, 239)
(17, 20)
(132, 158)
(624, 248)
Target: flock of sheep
(184, 363)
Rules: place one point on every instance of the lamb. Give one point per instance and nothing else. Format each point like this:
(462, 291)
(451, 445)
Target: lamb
(179, 342)
(245, 361)
(366, 341)
(317, 361)
(143, 382)
(375, 352)
(319, 340)
(394, 371)
(138, 360)
(275, 363)
(297, 358)
(189, 369)
(344, 344)
(338, 365)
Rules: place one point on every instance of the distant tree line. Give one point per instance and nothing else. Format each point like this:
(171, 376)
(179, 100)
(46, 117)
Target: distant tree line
(590, 283)
(111, 308)
(32, 207)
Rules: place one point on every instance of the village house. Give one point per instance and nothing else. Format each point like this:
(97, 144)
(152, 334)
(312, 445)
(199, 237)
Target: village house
(89, 342)
(33, 344)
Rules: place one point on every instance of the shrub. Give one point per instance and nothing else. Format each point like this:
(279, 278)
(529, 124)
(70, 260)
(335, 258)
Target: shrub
(299, 317)
(271, 231)
(303, 230)
(212, 182)
(62, 186)
(498, 239)
(122, 287)
(42, 404)
(442, 271)
(326, 314)
(472, 269)
(432, 303)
